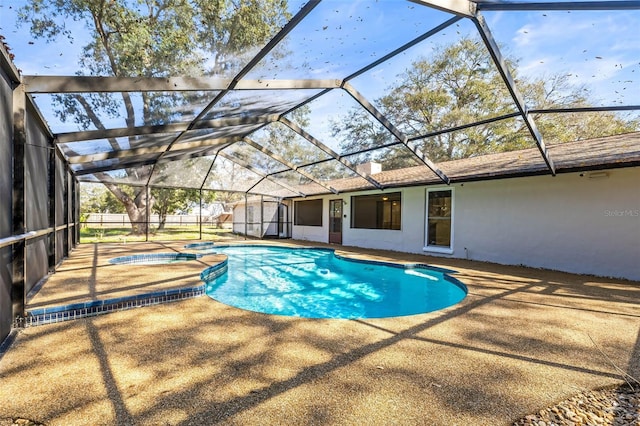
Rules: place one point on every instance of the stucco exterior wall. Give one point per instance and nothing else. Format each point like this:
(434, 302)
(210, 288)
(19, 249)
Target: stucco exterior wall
(313, 233)
(408, 239)
(570, 222)
(269, 226)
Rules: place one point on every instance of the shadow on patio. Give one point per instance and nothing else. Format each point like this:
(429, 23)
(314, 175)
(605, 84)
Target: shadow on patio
(522, 340)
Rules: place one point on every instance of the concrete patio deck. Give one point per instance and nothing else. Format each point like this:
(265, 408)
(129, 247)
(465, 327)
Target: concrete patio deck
(523, 339)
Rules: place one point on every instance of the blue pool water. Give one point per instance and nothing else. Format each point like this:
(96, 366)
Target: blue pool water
(201, 245)
(153, 258)
(314, 283)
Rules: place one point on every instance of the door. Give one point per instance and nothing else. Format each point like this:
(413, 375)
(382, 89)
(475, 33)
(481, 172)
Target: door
(283, 221)
(335, 221)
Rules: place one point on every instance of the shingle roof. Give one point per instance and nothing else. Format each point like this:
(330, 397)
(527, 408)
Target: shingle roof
(591, 154)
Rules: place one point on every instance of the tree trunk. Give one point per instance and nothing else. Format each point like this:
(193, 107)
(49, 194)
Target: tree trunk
(136, 207)
(138, 217)
(162, 220)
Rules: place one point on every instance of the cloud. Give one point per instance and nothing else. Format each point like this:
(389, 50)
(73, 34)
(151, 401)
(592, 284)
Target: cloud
(525, 36)
(596, 49)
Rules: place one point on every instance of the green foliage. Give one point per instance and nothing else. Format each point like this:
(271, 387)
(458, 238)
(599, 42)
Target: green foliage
(153, 39)
(285, 142)
(170, 201)
(93, 234)
(162, 38)
(459, 85)
(294, 148)
(95, 198)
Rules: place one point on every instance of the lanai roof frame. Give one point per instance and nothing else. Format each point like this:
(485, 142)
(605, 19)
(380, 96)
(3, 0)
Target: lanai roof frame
(457, 10)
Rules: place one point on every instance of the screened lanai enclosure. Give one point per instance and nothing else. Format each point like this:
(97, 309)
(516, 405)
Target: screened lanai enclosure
(281, 100)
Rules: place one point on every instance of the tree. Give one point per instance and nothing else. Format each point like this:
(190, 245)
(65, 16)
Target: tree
(460, 85)
(151, 39)
(286, 143)
(172, 201)
(95, 198)
(295, 149)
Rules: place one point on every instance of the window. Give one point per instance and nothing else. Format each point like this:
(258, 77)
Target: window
(308, 213)
(379, 211)
(439, 218)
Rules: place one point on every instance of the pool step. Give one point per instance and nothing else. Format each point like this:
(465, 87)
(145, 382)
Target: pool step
(54, 314)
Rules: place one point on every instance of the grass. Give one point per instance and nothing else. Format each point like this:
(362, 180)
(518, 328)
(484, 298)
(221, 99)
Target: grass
(123, 234)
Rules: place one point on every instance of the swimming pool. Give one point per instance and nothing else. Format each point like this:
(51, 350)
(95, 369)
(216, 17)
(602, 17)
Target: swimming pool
(315, 283)
(153, 258)
(200, 246)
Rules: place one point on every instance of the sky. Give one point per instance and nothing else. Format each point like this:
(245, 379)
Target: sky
(596, 48)
(599, 50)
(34, 56)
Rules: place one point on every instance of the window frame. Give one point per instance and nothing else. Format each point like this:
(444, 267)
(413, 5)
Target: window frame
(352, 221)
(434, 248)
(296, 211)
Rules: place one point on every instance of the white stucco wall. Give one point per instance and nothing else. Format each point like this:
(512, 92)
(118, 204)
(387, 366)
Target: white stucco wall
(568, 222)
(313, 233)
(408, 239)
(269, 211)
(239, 218)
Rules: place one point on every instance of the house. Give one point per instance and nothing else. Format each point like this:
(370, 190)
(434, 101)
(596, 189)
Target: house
(504, 208)
(262, 217)
(223, 220)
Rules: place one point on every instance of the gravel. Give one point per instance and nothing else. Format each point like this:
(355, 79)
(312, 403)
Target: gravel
(618, 406)
(522, 340)
(19, 422)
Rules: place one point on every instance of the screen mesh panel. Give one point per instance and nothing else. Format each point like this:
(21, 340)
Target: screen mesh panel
(420, 89)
